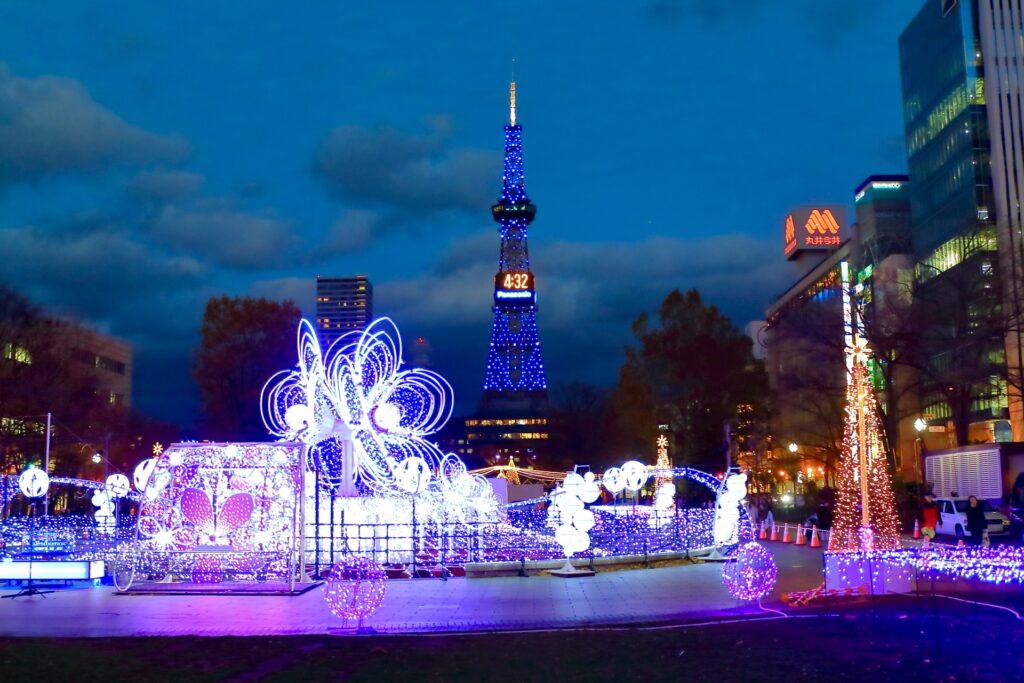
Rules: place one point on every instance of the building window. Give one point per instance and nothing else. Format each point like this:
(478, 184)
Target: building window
(18, 354)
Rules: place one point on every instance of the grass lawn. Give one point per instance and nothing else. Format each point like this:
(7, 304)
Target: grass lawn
(899, 639)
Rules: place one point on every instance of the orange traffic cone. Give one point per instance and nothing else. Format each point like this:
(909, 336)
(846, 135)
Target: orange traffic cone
(800, 540)
(815, 541)
(785, 533)
(764, 533)
(917, 529)
(775, 533)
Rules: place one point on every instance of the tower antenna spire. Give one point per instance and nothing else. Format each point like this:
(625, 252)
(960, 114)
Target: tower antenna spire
(512, 101)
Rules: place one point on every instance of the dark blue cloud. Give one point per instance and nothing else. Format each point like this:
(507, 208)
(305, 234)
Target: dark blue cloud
(151, 157)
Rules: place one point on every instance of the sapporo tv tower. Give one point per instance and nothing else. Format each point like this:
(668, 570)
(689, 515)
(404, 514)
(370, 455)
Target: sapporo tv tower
(513, 417)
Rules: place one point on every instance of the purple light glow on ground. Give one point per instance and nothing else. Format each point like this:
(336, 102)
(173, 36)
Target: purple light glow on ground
(410, 606)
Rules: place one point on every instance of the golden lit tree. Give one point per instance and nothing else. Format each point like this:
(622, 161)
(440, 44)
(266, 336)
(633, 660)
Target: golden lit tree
(865, 517)
(663, 464)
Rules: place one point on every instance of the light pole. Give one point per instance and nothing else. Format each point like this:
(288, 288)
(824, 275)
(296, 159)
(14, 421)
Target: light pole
(793, 448)
(919, 425)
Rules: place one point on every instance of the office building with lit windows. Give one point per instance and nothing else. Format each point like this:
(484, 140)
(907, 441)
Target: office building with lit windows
(961, 66)
(106, 358)
(343, 304)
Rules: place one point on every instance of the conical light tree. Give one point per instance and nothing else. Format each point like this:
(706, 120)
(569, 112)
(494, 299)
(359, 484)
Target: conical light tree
(663, 464)
(865, 517)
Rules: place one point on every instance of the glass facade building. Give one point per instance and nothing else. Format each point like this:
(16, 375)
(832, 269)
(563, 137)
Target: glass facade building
(960, 257)
(945, 124)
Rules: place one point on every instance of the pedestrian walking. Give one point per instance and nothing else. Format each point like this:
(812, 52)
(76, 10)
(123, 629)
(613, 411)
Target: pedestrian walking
(930, 516)
(976, 523)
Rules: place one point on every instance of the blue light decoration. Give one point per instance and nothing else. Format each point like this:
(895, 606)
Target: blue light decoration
(364, 420)
(1001, 565)
(514, 360)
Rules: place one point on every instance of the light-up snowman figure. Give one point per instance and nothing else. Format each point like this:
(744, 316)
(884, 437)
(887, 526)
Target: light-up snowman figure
(727, 509)
(568, 514)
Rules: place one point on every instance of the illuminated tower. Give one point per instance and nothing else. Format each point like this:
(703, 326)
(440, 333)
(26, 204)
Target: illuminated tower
(513, 417)
(515, 367)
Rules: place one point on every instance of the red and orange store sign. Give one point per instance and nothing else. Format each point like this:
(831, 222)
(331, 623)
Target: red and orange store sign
(822, 230)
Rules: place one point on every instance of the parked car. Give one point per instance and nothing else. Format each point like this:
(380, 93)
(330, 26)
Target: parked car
(953, 518)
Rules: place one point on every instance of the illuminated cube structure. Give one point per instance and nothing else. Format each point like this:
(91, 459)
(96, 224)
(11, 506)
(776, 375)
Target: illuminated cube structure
(218, 513)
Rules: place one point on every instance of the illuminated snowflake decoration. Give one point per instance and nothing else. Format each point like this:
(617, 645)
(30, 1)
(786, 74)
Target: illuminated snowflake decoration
(364, 421)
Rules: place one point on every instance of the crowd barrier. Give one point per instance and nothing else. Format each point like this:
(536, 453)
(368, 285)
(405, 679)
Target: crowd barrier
(796, 534)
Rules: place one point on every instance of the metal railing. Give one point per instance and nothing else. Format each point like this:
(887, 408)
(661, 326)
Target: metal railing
(423, 549)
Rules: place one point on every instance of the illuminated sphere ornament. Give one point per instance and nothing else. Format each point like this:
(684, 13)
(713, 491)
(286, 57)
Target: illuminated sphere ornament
(298, 417)
(635, 475)
(142, 473)
(750, 572)
(118, 485)
(33, 482)
(413, 474)
(355, 589)
(613, 480)
(387, 416)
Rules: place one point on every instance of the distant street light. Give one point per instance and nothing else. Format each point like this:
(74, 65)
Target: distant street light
(96, 457)
(793, 448)
(920, 425)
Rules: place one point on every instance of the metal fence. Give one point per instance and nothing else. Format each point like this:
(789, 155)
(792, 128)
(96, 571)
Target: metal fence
(422, 549)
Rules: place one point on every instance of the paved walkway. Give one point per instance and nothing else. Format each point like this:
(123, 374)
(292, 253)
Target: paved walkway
(692, 592)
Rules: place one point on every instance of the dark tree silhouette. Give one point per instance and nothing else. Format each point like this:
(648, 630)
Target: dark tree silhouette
(243, 342)
(694, 369)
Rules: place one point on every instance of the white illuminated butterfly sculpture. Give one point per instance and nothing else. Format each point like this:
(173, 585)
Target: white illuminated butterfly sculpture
(364, 420)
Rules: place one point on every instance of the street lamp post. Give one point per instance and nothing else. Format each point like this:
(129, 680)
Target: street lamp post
(919, 425)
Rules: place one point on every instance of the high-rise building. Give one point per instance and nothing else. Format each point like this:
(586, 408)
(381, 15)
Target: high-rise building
(513, 415)
(804, 338)
(961, 66)
(882, 212)
(882, 279)
(343, 304)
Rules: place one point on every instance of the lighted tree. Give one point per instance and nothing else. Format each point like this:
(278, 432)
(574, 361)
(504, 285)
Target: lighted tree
(663, 464)
(865, 516)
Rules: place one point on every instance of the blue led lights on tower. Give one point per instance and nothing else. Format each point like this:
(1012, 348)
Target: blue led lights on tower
(515, 367)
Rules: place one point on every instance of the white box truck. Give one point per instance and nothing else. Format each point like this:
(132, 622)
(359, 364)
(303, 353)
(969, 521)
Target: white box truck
(990, 471)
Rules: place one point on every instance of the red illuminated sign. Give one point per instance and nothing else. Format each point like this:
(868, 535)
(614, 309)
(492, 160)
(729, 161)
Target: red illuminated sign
(822, 230)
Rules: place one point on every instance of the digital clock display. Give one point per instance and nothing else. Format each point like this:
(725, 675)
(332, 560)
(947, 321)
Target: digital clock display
(514, 281)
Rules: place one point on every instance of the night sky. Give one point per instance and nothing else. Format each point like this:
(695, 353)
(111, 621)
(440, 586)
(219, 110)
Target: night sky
(155, 154)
